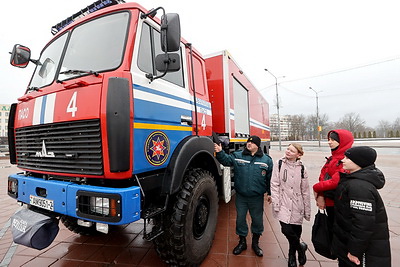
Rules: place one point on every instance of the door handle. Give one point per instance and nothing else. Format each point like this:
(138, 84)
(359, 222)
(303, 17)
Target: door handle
(186, 120)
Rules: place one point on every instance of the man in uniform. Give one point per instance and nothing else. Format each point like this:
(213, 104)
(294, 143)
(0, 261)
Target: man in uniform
(253, 170)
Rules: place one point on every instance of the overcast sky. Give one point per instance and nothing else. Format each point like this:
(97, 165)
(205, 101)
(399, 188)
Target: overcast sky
(348, 51)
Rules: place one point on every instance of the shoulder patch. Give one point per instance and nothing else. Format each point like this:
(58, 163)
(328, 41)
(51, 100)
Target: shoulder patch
(360, 205)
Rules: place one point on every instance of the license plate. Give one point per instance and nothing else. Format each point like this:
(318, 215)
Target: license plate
(43, 203)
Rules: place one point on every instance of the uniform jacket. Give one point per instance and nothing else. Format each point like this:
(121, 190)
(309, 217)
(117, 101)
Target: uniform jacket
(252, 173)
(329, 176)
(361, 223)
(290, 193)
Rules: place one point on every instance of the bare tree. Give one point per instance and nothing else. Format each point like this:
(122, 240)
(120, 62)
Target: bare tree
(324, 123)
(383, 128)
(303, 127)
(352, 122)
(312, 128)
(396, 124)
(298, 128)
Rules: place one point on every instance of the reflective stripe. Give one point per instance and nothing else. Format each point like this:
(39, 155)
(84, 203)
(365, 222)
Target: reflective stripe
(262, 164)
(137, 125)
(43, 111)
(242, 161)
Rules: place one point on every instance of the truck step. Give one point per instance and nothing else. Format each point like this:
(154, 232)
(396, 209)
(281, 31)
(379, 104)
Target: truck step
(153, 234)
(150, 213)
(155, 210)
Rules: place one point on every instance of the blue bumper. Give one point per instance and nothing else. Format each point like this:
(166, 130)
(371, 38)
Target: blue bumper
(66, 198)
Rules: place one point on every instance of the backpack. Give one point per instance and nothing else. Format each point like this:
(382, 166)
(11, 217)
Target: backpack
(302, 168)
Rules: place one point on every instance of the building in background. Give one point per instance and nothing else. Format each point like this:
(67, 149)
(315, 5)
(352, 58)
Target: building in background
(4, 113)
(285, 126)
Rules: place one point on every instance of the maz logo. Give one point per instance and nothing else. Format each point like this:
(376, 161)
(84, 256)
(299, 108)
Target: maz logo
(44, 153)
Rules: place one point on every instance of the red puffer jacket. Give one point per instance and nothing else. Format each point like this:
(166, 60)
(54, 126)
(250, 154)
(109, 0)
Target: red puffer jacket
(329, 177)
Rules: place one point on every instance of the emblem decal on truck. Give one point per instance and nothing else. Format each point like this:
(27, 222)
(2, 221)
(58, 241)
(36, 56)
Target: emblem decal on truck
(157, 148)
(44, 153)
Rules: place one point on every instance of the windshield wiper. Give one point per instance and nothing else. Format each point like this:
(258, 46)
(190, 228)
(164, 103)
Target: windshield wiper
(33, 89)
(80, 71)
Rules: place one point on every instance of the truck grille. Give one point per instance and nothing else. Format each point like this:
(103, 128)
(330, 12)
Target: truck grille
(68, 147)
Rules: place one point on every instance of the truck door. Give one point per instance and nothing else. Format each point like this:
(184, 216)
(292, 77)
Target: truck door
(162, 110)
(198, 83)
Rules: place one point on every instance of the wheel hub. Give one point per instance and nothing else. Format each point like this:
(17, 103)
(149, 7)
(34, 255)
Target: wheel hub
(201, 217)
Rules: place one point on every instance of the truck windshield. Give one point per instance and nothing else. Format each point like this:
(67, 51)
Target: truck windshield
(93, 47)
(48, 63)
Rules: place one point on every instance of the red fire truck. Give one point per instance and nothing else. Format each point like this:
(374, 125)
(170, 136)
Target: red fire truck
(118, 124)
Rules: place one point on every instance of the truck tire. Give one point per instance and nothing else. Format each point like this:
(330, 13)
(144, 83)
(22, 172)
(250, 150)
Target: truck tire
(189, 232)
(71, 224)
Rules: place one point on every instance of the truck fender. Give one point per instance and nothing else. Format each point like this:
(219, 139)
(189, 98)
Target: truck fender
(193, 151)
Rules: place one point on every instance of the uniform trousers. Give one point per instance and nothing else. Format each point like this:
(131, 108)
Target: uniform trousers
(255, 206)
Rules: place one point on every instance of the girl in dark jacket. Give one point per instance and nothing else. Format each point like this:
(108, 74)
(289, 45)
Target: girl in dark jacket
(361, 232)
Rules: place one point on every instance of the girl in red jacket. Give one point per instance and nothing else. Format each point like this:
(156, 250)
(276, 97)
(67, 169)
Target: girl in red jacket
(339, 141)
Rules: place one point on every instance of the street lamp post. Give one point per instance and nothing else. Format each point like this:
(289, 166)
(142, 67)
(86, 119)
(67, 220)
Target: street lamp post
(318, 132)
(277, 109)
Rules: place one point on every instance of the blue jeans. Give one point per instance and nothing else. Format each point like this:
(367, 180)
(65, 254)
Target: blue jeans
(254, 205)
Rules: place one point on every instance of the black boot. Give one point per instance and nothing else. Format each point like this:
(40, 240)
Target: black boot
(292, 258)
(254, 245)
(301, 251)
(241, 246)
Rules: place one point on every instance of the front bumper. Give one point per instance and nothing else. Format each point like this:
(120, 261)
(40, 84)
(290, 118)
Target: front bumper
(122, 205)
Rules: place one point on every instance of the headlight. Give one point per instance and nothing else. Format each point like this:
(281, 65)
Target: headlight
(12, 187)
(99, 206)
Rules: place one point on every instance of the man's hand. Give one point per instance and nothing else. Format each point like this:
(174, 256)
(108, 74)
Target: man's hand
(269, 199)
(320, 202)
(353, 259)
(217, 148)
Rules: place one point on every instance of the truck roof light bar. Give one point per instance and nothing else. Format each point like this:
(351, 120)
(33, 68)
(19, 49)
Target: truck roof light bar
(100, 4)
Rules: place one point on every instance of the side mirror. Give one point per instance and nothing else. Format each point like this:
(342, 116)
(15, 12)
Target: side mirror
(170, 32)
(46, 68)
(20, 56)
(168, 62)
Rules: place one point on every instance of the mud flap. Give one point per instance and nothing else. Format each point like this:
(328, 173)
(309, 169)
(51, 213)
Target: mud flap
(33, 229)
(227, 187)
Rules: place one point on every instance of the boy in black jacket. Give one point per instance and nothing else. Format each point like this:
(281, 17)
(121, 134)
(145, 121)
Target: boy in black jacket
(361, 232)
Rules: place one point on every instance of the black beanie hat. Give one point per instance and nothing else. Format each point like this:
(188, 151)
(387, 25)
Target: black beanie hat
(363, 156)
(334, 136)
(255, 139)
